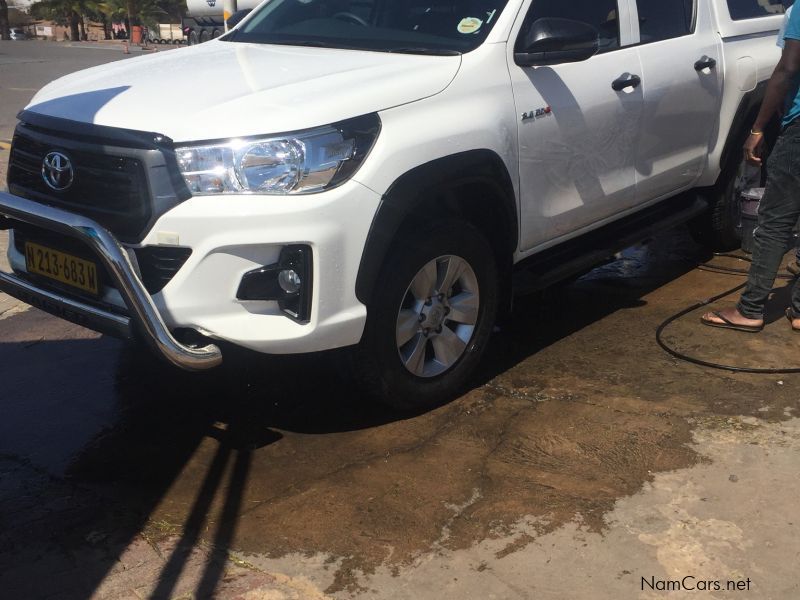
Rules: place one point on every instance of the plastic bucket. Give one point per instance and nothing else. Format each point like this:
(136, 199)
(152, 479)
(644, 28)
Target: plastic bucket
(750, 198)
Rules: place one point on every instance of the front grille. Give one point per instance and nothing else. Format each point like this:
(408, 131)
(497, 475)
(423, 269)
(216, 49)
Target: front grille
(109, 189)
(123, 179)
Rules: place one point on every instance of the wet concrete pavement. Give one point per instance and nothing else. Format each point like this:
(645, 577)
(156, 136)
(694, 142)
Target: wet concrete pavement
(583, 460)
(105, 451)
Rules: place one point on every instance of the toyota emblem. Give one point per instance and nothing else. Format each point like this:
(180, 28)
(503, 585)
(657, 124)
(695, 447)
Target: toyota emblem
(57, 171)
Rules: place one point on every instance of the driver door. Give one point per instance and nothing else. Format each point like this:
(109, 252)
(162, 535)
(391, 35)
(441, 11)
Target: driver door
(577, 134)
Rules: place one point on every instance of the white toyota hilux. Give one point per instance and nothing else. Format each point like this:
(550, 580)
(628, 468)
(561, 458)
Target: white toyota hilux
(375, 173)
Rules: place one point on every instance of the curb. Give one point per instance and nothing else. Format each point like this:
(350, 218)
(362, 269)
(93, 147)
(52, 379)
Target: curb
(4, 145)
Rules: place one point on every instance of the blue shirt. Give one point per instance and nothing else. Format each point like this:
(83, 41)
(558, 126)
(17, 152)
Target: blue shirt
(793, 101)
(782, 31)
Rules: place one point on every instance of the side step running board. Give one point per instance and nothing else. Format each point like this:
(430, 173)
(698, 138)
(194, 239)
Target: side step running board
(580, 255)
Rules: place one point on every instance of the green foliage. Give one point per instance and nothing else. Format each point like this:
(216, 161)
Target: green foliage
(141, 12)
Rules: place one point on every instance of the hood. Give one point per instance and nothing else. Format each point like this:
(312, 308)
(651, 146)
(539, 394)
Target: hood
(229, 89)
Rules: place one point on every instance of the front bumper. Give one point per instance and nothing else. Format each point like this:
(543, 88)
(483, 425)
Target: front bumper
(228, 236)
(142, 318)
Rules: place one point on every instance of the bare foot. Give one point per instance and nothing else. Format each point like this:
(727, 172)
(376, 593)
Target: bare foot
(794, 320)
(731, 318)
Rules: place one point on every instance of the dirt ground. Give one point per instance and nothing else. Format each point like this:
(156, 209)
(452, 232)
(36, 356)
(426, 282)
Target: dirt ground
(278, 462)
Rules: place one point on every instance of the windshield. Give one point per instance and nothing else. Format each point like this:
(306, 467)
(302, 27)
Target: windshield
(412, 26)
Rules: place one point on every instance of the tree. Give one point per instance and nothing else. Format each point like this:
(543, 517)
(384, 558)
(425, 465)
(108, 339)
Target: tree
(75, 12)
(105, 14)
(63, 12)
(5, 30)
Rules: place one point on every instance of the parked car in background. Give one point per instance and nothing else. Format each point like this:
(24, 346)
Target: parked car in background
(17, 33)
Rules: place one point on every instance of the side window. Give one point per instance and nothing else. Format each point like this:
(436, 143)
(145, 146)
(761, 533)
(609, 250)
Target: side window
(664, 19)
(752, 9)
(602, 14)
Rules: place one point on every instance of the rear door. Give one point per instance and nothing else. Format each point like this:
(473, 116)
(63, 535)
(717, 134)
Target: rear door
(682, 84)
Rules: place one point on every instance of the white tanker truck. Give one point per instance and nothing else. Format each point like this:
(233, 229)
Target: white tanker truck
(203, 20)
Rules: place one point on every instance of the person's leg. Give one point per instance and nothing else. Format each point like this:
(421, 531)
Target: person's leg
(777, 215)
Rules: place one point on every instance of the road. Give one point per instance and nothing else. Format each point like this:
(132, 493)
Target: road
(584, 463)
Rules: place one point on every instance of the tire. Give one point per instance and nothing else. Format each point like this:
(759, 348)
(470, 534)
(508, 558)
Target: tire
(401, 362)
(204, 36)
(193, 40)
(720, 229)
(215, 34)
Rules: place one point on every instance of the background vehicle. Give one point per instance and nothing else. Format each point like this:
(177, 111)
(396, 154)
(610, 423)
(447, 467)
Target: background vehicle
(17, 33)
(166, 33)
(381, 175)
(203, 20)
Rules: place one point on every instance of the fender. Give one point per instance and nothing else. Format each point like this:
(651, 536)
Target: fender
(745, 114)
(406, 199)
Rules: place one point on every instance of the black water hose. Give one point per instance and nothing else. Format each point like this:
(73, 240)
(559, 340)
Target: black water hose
(686, 311)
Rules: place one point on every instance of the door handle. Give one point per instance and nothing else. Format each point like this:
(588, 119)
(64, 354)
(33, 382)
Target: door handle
(705, 63)
(626, 81)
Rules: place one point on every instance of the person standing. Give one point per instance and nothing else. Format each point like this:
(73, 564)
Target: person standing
(780, 207)
(792, 267)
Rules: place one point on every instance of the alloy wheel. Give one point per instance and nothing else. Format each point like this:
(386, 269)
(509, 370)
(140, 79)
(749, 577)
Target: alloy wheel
(437, 316)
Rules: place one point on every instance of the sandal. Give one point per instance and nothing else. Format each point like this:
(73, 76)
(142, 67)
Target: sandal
(728, 324)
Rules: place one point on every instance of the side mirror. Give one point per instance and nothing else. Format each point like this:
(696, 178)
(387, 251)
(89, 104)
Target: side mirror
(237, 17)
(555, 41)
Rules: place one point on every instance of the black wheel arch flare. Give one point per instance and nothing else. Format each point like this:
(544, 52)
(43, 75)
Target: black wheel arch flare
(740, 125)
(405, 198)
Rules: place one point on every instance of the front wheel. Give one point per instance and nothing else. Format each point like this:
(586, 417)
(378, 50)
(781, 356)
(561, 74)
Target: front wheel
(720, 228)
(431, 317)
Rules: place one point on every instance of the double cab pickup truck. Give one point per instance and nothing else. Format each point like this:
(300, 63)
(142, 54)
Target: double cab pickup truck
(378, 174)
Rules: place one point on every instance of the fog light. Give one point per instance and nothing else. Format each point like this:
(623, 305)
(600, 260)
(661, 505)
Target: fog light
(289, 281)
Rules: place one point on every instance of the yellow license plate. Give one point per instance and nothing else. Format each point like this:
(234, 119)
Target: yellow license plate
(61, 267)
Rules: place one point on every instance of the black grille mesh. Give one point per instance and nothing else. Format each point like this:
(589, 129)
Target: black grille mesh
(159, 264)
(109, 189)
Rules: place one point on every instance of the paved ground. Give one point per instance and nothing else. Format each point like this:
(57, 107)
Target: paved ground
(585, 463)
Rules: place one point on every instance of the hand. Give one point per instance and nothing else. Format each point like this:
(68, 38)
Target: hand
(753, 148)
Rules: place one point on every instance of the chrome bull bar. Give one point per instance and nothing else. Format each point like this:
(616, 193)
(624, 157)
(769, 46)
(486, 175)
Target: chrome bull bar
(143, 316)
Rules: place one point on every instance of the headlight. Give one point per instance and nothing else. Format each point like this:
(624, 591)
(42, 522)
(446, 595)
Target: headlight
(297, 163)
